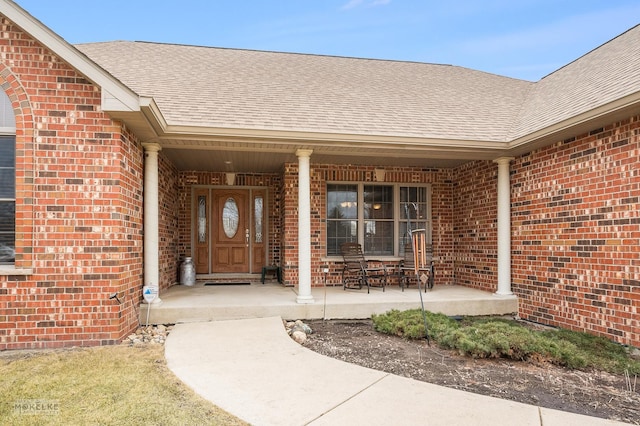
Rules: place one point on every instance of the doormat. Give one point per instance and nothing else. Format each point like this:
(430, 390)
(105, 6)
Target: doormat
(226, 283)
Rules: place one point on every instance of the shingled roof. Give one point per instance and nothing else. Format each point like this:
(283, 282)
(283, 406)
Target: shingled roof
(267, 90)
(247, 89)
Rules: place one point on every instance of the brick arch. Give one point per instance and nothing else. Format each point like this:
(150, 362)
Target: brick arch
(25, 158)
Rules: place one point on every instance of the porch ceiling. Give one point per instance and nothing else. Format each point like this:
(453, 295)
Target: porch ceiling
(272, 162)
(269, 157)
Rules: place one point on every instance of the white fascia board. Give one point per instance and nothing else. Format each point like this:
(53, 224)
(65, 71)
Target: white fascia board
(153, 115)
(206, 133)
(116, 96)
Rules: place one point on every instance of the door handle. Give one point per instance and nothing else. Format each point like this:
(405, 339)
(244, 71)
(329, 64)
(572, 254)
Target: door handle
(246, 235)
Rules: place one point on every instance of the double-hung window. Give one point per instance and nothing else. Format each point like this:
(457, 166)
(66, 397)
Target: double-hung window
(7, 181)
(377, 216)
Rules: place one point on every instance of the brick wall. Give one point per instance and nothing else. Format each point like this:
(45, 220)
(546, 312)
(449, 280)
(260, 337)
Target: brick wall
(475, 225)
(78, 207)
(168, 217)
(442, 215)
(576, 232)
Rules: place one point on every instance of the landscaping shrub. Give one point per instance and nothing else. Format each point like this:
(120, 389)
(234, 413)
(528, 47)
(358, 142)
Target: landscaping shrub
(490, 337)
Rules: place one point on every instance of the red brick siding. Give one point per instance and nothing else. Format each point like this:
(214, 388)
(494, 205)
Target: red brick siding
(475, 231)
(168, 213)
(289, 214)
(441, 197)
(576, 233)
(79, 207)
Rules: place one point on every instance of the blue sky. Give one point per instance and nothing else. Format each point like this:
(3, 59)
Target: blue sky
(524, 39)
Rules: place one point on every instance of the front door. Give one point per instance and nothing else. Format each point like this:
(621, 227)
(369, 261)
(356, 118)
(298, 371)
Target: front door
(229, 230)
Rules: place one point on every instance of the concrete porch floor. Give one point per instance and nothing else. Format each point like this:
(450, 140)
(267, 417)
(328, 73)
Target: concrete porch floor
(181, 304)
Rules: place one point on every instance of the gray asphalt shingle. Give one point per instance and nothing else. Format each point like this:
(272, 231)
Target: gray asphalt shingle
(230, 88)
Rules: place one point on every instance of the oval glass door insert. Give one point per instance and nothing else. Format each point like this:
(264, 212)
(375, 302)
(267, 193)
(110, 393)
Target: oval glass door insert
(230, 215)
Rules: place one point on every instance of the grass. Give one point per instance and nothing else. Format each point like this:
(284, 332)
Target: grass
(482, 337)
(103, 385)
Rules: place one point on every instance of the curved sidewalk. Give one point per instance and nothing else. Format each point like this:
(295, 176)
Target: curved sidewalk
(252, 369)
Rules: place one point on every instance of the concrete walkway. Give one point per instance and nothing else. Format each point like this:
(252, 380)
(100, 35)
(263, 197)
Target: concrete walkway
(252, 369)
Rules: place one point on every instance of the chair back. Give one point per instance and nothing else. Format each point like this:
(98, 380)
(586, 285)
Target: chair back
(352, 255)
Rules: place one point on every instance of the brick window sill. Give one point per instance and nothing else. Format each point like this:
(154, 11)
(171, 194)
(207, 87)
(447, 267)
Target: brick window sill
(6, 270)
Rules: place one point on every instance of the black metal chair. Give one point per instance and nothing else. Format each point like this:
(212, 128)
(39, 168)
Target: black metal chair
(357, 272)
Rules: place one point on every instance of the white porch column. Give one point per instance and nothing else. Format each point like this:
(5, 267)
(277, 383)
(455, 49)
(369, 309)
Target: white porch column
(504, 227)
(151, 228)
(304, 227)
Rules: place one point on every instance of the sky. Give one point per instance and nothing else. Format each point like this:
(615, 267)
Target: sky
(525, 39)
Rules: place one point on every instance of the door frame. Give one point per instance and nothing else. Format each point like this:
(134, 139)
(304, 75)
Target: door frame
(251, 190)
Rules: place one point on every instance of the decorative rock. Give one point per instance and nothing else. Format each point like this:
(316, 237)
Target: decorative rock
(299, 336)
(304, 327)
(153, 334)
(298, 330)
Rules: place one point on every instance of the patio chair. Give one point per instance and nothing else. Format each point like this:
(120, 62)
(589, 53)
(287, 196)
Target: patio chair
(357, 272)
(424, 271)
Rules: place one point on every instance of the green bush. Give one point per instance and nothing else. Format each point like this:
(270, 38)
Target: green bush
(410, 324)
(489, 337)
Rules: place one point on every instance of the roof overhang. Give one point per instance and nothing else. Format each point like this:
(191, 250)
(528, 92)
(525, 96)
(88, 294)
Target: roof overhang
(265, 150)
